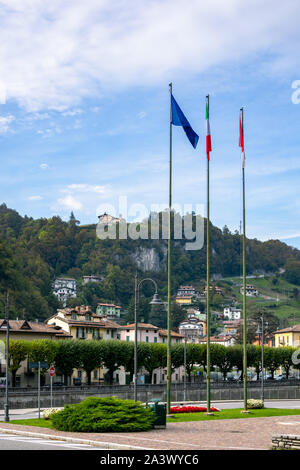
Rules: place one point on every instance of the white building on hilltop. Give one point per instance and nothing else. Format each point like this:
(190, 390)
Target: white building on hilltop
(193, 329)
(64, 288)
(232, 313)
(86, 279)
(107, 219)
(251, 291)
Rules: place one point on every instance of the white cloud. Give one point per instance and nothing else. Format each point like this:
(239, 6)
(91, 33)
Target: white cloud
(86, 188)
(35, 198)
(5, 121)
(69, 202)
(44, 166)
(73, 112)
(53, 54)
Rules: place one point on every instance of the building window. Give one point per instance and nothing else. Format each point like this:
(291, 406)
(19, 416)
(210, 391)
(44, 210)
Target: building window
(80, 333)
(74, 316)
(155, 339)
(127, 338)
(95, 374)
(79, 374)
(147, 339)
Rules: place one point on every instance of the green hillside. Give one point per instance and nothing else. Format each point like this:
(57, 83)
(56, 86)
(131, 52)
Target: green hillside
(278, 295)
(35, 251)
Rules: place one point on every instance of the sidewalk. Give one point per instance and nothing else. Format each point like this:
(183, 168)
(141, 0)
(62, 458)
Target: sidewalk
(24, 411)
(230, 434)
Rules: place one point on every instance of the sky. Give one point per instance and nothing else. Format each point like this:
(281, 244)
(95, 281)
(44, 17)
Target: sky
(84, 108)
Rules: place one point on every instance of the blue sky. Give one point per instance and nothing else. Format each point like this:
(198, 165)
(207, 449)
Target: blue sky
(84, 113)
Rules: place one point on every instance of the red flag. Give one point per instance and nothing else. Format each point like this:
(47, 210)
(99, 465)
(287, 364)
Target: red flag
(241, 143)
(208, 137)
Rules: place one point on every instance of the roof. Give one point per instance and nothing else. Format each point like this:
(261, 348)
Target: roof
(289, 329)
(109, 305)
(173, 333)
(25, 326)
(218, 339)
(142, 326)
(92, 276)
(103, 323)
(184, 296)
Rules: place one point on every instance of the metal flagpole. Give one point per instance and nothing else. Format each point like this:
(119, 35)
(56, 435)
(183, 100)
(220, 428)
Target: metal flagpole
(169, 266)
(244, 276)
(207, 289)
(135, 338)
(39, 390)
(6, 406)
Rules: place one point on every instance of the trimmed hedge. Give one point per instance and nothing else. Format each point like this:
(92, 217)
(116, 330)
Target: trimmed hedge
(109, 414)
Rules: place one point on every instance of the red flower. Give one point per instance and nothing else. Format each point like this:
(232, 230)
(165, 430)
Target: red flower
(190, 409)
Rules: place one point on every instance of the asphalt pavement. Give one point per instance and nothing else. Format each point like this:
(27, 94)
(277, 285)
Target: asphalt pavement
(13, 442)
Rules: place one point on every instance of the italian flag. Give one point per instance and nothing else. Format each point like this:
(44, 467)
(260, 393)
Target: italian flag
(208, 138)
(241, 143)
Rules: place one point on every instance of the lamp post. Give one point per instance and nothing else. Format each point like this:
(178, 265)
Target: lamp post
(191, 333)
(184, 361)
(6, 408)
(260, 331)
(154, 301)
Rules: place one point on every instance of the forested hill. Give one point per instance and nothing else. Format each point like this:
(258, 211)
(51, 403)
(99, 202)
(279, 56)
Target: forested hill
(33, 252)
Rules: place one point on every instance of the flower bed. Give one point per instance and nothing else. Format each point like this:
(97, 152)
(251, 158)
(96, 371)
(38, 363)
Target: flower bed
(191, 409)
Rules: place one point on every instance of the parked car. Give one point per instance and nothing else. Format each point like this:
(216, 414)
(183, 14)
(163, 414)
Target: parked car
(2, 382)
(279, 377)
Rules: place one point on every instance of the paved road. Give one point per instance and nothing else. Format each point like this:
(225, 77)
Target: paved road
(13, 442)
(293, 404)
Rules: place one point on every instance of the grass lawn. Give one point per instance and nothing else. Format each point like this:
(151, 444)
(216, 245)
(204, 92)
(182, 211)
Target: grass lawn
(223, 414)
(232, 414)
(42, 423)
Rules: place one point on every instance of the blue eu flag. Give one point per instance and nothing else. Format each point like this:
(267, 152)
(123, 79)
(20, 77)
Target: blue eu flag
(179, 119)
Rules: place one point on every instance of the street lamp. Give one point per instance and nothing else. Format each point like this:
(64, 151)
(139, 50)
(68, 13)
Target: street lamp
(154, 301)
(260, 331)
(6, 306)
(188, 333)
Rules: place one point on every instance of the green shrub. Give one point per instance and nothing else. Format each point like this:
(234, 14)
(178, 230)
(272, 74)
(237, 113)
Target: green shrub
(109, 414)
(255, 404)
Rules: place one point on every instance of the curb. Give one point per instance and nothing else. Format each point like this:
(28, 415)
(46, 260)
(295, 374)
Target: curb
(74, 440)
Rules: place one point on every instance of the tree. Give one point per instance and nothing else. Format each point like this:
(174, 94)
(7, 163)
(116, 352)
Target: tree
(90, 357)
(271, 322)
(67, 357)
(193, 356)
(18, 351)
(114, 354)
(43, 350)
(254, 358)
(223, 358)
(272, 359)
(292, 271)
(155, 357)
(286, 361)
(178, 314)
(251, 333)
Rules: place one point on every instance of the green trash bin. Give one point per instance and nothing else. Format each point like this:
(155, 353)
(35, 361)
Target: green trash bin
(160, 412)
